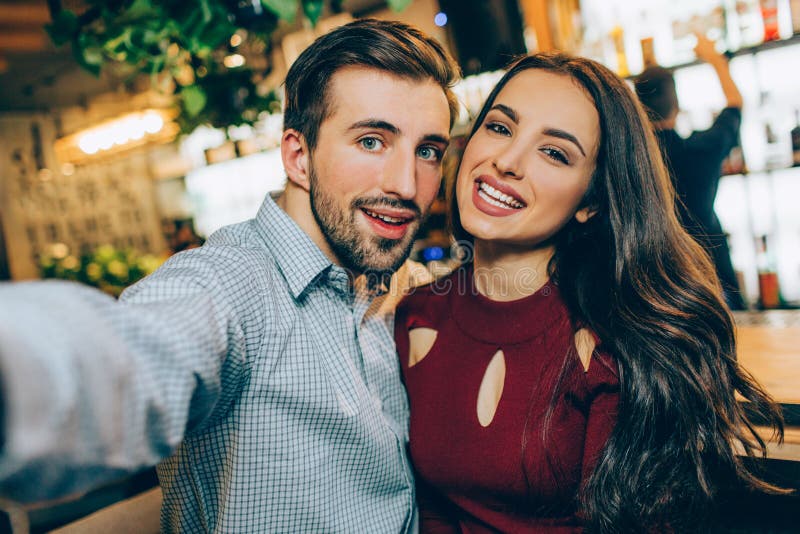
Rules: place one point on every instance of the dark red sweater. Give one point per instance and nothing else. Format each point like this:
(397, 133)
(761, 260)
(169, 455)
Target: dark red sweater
(516, 474)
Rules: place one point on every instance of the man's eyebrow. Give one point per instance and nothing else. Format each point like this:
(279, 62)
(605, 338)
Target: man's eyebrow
(561, 134)
(375, 124)
(436, 138)
(507, 111)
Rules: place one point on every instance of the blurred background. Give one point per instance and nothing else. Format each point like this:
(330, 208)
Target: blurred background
(132, 129)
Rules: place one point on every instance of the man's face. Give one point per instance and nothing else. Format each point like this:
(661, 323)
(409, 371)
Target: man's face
(376, 168)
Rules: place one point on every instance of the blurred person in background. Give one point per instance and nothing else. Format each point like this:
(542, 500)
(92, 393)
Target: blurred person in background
(695, 162)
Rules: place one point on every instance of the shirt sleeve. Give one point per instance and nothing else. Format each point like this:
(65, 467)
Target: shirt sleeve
(721, 137)
(95, 388)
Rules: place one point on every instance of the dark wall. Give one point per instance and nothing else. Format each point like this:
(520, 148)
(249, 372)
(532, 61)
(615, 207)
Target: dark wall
(485, 34)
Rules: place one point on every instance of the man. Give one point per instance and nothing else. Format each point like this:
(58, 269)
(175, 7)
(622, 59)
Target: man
(257, 364)
(695, 162)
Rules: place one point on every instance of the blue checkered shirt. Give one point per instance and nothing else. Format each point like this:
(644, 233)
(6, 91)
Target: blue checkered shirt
(271, 387)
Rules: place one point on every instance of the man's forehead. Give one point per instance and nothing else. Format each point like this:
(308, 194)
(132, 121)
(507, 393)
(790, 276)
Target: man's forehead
(362, 94)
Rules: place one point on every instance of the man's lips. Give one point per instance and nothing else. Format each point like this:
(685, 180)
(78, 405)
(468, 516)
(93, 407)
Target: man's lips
(393, 215)
(389, 223)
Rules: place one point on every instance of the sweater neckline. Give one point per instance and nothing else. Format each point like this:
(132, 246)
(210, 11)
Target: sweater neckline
(503, 322)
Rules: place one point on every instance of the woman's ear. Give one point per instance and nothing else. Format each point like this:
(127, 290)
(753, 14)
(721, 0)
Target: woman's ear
(584, 214)
(295, 156)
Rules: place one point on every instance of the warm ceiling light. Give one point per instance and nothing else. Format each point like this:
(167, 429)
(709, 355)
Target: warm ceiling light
(234, 60)
(117, 135)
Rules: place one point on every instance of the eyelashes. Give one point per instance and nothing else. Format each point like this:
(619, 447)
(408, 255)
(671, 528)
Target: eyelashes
(555, 154)
(428, 153)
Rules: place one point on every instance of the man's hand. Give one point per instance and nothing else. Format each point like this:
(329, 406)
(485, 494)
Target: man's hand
(706, 51)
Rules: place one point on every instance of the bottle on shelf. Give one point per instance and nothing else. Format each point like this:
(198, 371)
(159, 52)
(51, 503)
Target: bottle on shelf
(769, 292)
(751, 22)
(688, 17)
(648, 52)
(796, 139)
(777, 149)
(618, 37)
(769, 13)
(794, 7)
(776, 155)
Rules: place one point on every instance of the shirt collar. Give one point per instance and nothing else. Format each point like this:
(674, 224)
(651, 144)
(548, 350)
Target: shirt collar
(298, 258)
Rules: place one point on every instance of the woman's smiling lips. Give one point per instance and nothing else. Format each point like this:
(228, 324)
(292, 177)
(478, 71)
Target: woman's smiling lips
(494, 198)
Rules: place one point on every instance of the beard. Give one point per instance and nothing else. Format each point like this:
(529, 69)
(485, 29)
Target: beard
(358, 250)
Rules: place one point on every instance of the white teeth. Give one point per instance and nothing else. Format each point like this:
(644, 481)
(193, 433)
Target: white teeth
(386, 218)
(501, 199)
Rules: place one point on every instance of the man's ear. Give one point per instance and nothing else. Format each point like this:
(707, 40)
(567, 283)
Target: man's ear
(584, 214)
(295, 156)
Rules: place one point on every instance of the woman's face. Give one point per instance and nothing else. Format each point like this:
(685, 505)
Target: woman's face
(524, 172)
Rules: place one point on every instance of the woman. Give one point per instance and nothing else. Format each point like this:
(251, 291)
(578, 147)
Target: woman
(580, 370)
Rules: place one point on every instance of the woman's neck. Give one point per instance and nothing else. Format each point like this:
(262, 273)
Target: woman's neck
(505, 273)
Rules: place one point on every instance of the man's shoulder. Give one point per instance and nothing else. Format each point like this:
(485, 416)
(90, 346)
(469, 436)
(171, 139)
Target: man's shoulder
(241, 237)
(236, 243)
(231, 263)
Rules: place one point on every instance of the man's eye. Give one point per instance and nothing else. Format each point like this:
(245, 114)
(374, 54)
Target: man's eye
(371, 143)
(429, 153)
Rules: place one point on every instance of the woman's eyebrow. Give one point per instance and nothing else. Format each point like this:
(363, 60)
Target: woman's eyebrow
(561, 134)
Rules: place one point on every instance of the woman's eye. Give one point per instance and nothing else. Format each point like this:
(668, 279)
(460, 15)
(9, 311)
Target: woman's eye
(498, 128)
(371, 143)
(429, 153)
(556, 155)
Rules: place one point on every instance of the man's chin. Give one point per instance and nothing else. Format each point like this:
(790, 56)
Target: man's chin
(385, 257)
(380, 264)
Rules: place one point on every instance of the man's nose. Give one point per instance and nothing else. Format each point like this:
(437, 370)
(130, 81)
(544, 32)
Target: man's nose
(400, 176)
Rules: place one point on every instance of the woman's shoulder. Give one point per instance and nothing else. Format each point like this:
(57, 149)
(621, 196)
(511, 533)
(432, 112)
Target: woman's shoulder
(603, 369)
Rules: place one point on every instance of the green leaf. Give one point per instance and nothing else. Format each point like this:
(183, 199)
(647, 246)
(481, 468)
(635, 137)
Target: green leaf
(206, 10)
(285, 9)
(398, 5)
(194, 100)
(63, 28)
(312, 9)
(91, 51)
(140, 9)
(80, 56)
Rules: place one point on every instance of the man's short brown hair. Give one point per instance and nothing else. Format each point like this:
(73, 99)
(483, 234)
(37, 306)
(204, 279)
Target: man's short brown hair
(655, 87)
(389, 46)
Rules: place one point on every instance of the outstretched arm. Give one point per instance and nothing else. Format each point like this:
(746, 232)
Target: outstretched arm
(705, 51)
(93, 388)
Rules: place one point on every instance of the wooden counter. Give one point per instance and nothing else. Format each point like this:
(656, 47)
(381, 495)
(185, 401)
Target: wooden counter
(769, 348)
(771, 352)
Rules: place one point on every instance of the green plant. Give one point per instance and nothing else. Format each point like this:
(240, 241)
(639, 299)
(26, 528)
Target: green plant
(106, 268)
(184, 46)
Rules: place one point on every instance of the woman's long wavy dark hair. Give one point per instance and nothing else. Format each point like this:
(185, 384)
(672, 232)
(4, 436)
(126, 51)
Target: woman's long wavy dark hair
(650, 292)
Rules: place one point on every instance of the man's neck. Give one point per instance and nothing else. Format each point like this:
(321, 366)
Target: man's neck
(296, 202)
